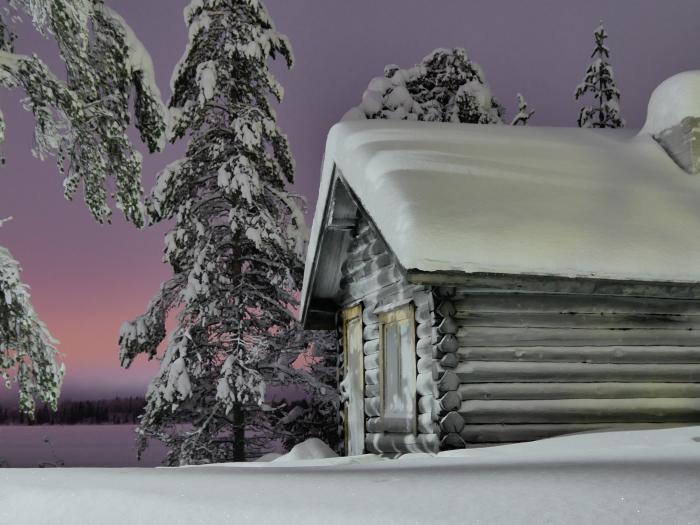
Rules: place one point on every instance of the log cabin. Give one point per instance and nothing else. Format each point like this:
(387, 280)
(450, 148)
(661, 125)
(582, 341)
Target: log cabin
(499, 284)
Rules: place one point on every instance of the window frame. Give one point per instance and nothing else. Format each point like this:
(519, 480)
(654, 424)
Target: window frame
(402, 314)
(350, 315)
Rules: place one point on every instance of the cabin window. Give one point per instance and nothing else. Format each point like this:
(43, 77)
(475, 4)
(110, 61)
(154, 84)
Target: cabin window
(398, 379)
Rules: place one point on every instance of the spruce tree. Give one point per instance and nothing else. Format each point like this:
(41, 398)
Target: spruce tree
(599, 81)
(82, 116)
(236, 245)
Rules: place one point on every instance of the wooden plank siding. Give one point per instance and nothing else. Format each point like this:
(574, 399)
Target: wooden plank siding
(535, 365)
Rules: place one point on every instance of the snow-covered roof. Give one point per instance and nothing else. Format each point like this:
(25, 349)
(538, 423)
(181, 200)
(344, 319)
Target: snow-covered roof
(566, 202)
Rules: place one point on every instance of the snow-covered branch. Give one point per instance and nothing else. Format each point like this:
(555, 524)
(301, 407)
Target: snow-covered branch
(28, 355)
(83, 121)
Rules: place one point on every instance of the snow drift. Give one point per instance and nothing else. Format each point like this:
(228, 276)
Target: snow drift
(641, 477)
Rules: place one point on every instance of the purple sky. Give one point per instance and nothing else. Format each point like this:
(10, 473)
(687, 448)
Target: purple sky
(86, 279)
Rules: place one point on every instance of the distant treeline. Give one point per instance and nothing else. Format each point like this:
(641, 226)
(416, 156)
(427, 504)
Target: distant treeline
(114, 411)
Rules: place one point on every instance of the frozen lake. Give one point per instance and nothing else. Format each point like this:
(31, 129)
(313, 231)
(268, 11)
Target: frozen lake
(76, 445)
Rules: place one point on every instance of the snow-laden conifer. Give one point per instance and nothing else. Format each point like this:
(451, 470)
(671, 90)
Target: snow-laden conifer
(524, 113)
(28, 356)
(599, 81)
(236, 245)
(83, 120)
(447, 86)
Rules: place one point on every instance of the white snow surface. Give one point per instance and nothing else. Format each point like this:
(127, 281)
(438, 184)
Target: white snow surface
(473, 198)
(673, 100)
(312, 448)
(636, 477)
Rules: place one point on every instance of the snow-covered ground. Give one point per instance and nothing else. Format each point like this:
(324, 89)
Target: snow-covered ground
(640, 477)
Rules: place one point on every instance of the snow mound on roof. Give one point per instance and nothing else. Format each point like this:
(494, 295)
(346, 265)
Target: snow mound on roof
(312, 448)
(672, 101)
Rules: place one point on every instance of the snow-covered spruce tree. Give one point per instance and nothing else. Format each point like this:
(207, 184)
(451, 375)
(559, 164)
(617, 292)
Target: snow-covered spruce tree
(599, 81)
(524, 112)
(236, 245)
(445, 87)
(83, 120)
(27, 351)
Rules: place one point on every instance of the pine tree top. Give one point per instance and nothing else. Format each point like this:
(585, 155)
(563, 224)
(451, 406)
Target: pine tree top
(600, 35)
(599, 82)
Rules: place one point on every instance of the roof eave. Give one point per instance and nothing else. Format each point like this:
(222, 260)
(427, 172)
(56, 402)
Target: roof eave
(529, 283)
(330, 235)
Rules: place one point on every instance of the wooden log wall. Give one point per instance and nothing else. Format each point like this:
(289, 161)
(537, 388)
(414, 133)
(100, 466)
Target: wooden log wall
(370, 275)
(534, 365)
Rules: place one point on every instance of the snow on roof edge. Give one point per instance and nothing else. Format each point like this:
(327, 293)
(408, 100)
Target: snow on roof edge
(345, 139)
(327, 171)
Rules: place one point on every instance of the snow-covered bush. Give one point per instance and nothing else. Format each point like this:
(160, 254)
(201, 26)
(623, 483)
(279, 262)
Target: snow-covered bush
(446, 86)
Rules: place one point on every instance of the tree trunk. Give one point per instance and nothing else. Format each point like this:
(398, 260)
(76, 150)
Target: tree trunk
(238, 433)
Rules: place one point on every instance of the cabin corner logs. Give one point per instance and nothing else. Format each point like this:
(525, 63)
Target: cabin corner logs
(503, 363)
(371, 277)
